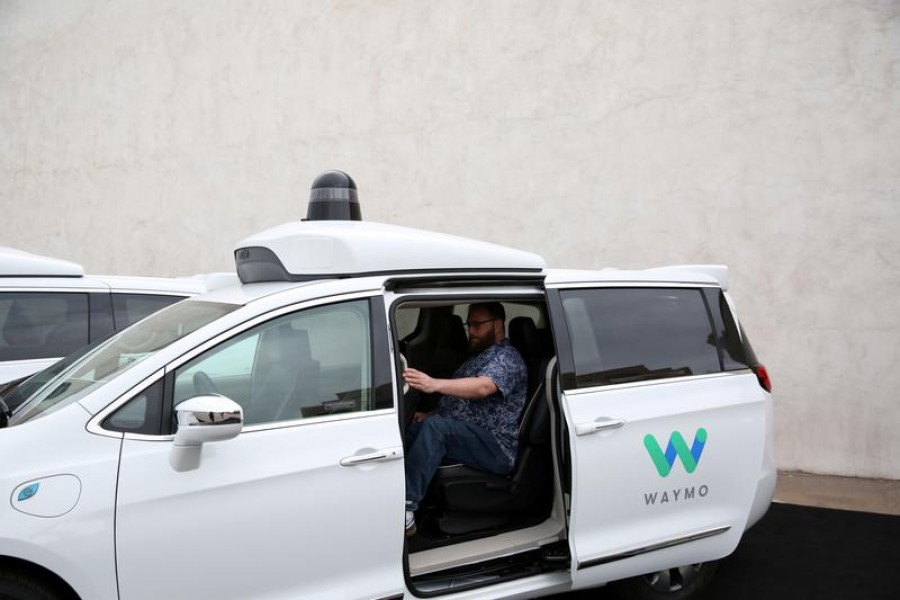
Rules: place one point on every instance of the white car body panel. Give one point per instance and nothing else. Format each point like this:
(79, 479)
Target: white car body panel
(257, 512)
(620, 503)
(768, 471)
(78, 545)
(679, 274)
(187, 286)
(14, 262)
(14, 369)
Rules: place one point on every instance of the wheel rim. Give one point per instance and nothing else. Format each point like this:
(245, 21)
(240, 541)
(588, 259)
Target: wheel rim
(675, 579)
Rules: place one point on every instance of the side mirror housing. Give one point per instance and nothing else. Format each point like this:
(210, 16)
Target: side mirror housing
(210, 418)
(202, 419)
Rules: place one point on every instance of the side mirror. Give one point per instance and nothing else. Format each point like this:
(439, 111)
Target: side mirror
(202, 419)
(210, 418)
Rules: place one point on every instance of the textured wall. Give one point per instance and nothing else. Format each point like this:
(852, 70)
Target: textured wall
(148, 137)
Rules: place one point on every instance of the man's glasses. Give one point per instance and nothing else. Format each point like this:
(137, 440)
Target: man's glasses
(476, 324)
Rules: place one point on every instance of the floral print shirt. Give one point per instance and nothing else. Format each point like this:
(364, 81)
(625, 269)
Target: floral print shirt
(498, 413)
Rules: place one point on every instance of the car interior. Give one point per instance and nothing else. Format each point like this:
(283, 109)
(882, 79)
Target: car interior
(41, 326)
(470, 516)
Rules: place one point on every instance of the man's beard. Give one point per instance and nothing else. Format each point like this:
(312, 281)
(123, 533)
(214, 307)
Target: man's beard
(484, 342)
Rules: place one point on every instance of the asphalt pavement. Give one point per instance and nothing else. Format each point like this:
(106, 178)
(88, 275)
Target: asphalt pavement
(800, 553)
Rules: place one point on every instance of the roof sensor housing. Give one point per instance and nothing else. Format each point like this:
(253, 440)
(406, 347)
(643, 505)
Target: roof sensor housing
(333, 197)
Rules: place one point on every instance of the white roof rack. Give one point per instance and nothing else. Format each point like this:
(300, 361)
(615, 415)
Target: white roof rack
(18, 263)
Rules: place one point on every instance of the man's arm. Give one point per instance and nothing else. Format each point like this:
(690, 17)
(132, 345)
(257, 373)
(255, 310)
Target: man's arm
(467, 388)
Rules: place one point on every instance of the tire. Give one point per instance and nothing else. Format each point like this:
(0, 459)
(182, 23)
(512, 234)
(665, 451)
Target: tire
(687, 582)
(18, 585)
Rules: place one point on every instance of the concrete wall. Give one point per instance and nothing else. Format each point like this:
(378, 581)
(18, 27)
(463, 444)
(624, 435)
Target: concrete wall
(147, 137)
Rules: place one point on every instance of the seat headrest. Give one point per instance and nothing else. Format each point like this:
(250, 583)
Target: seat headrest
(285, 343)
(448, 330)
(16, 326)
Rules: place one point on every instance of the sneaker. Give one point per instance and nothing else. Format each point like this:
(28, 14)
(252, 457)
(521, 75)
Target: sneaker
(410, 523)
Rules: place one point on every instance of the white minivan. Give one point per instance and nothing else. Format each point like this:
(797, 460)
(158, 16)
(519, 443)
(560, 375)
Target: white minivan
(49, 308)
(248, 443)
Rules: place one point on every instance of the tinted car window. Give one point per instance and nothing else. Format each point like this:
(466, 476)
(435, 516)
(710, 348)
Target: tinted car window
(121, 352)
(42, 324)
(311, 363)
(141, 414)
(15, 392)
(131, 308)
(619, 335)
(405, 321)
(735, 347)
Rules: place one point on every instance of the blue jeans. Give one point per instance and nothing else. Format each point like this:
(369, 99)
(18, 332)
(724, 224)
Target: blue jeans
(438, 438)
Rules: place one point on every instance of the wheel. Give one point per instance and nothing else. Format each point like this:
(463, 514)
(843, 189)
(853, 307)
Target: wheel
(679, 583)
(17, 585)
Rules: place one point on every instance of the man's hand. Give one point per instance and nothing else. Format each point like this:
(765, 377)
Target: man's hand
(420, 416)
(420, 381)
(466, 388)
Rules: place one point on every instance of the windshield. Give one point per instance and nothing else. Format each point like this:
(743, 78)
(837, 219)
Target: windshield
(14, 393)
(124, 350)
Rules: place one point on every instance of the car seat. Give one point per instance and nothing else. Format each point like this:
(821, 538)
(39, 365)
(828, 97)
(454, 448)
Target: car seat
(523, 335)
(67, 337)
(285, 377)
(21, 336)
(473, 500)
(437, 347)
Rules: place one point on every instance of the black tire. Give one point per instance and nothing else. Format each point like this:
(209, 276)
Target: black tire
(687, 582)
(19, 585)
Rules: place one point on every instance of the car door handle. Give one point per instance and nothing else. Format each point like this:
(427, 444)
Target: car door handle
(599, 424)
(383, 455)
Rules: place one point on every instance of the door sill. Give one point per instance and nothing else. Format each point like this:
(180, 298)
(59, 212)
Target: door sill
(552, 557)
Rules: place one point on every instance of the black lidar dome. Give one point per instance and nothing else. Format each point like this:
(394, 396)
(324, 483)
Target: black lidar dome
(333, 197)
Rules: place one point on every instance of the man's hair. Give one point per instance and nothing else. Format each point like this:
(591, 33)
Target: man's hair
(494, 309)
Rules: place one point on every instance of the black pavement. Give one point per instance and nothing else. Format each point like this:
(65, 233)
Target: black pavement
(800, 553)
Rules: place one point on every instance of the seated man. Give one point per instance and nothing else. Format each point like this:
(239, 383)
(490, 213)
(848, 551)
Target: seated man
(476, 422)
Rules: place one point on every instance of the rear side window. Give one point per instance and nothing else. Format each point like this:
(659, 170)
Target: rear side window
(735, 347)
(621, 335)
(42, 324)
(131, 308)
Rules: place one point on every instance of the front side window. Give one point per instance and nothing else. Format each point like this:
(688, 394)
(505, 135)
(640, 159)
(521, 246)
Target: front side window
(42, 324)
(119, 353)
(142, 414)
(620, 335)
(311, 363)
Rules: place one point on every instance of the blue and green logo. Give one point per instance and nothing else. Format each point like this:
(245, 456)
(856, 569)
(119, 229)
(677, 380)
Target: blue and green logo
(664, 461)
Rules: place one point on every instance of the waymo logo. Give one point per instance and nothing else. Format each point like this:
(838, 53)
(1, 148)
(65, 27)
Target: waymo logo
(664, 461)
